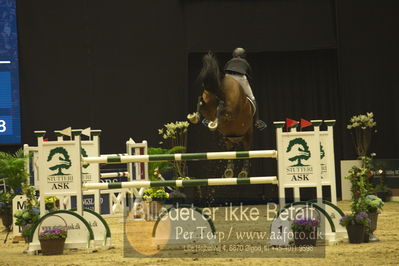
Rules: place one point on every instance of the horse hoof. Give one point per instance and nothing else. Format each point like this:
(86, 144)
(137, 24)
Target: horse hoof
(193, 118)
(213, 125)
(243, 174)
(228, 173)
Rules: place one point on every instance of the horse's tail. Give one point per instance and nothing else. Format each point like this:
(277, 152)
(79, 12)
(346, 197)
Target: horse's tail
(210, 76)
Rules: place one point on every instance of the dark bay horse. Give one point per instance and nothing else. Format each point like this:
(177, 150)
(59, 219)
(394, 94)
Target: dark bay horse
(224, 103)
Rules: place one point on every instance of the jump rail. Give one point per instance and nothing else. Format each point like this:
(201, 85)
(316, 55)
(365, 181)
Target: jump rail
(114, 174)
(184, 183)
(180, 157)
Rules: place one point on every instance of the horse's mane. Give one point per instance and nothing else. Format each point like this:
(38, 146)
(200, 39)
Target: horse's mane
(210, 76)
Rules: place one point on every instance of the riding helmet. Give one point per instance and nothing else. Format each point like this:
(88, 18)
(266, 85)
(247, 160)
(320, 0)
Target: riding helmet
(239, 52)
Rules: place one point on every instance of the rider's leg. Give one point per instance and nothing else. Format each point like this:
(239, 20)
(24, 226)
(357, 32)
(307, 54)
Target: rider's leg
(248, 91)
(258, 123)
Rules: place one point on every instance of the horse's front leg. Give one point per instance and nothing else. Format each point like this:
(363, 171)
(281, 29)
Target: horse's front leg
(213, 125)
(195, 117)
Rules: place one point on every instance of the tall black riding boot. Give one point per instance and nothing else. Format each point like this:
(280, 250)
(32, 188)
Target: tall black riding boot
(259, 124)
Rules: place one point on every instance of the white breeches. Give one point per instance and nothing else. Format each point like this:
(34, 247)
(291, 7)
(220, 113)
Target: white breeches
(242, 79)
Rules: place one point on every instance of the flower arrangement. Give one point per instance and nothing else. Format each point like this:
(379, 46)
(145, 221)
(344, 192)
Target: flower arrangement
(155, 194)
(27, 216)
(361, 129)
(175, 135)
(31, 213)
(356, 218)
(51, 203)
(374, 203)
(305, 224)
(30, 192)
(362, 121)
(54, 233)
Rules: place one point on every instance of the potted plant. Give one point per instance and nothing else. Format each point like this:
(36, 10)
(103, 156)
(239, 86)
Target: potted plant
(14, 175)
(305, 231)
(381, 189)
(52, 241)
(158, 170)
(12, 169)
(30, 214)
(357, 225)
(154, 197)
(6, 209)
(26, 218)
(175, 135)
(358, 221)
(374, 206)
(361, 127)
(52, 203)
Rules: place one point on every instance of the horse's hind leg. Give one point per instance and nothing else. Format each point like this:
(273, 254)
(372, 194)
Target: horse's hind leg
(229, 171)
(245, 169)
(247, 143)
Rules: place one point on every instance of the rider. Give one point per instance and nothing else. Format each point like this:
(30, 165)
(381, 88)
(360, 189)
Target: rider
(239, 68)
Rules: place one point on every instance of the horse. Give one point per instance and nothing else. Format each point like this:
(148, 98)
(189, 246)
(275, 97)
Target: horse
(224, 103)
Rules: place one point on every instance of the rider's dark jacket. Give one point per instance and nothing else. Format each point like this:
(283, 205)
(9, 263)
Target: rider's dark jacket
(238, 65)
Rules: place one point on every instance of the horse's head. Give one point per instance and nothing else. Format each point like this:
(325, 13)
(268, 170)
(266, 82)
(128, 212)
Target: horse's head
(210, 76)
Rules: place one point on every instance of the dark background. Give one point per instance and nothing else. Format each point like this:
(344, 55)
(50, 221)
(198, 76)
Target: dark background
(127, 67)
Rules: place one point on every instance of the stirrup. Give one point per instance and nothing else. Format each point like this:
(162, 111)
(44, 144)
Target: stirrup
(261, 125)
(205, 122)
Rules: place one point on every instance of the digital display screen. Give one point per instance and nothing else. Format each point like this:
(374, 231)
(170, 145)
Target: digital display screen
(10, 124)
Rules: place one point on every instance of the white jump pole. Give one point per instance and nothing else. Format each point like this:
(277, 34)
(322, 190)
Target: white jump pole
(181, 157)
(184, 183)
